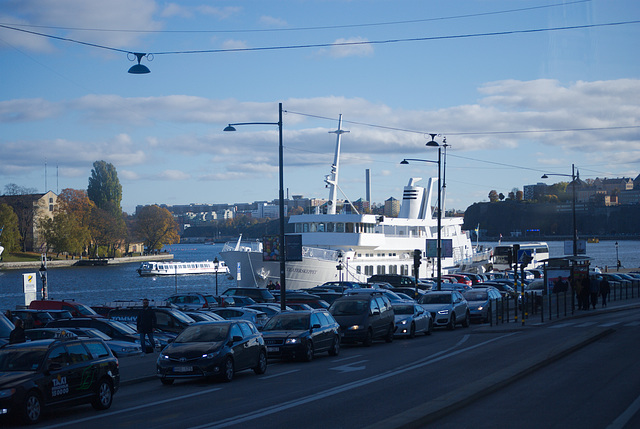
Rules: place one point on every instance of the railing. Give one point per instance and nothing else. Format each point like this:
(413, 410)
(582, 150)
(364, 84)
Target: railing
(534, 307)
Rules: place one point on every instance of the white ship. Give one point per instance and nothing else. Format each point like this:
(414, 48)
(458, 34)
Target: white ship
(352, 246)
(180, 268)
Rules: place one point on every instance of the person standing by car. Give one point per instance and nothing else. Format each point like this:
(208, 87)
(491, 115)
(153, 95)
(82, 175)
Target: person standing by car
(604, 290)
(146, 323)
(17, 335)
(594, 290)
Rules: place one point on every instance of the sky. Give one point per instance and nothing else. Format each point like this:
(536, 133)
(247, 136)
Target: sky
(516, 89)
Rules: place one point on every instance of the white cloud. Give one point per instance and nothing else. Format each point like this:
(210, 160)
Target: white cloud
(352, 47)
(173, 175)
(270, 21)
(234, 44)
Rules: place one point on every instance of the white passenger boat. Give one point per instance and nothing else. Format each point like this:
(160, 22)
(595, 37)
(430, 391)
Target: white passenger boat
(180, 268)
(352, 246)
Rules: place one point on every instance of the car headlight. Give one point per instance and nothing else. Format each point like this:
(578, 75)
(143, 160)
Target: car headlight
(164, 357)
(353, 328)
(443, 311)
(403, 322)
(7, 393)
(480, 308)
(292, 341)
(209, 355)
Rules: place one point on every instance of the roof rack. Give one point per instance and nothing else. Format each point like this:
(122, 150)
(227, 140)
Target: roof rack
(137, 304)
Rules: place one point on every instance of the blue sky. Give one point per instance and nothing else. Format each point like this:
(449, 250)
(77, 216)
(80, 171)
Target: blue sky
(518, 88)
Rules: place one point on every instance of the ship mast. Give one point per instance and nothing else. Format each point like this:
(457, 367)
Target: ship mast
(332, 179)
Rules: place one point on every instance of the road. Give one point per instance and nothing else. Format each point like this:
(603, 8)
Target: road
(385, 384)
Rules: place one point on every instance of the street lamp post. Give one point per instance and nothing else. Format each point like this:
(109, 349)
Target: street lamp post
(433, 143)
(231, 127)
(617, 258)
(573, 204)
(216, 264)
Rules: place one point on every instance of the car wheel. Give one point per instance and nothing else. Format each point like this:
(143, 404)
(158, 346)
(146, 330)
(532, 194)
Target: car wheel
(227, 370)
(389, 337)
(412, 331)
(104, 395)
(467, 320)
(308, 352)
(261, 368)
(368, 339)
(335, 348)
(452, 322)
(430, 328)
(32, 408)
(166, 381)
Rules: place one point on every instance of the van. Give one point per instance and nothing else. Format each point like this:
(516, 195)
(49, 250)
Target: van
(75, 308)
(364, 317)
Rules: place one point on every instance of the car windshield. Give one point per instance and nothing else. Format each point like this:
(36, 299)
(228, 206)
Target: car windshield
(60, 315)
(476, 295)
(403, 309)
(21, 359)
(349, 308)
(121, 327)
(288, 322)
(182, 317)
(204, 333)
(436, 299)
(85, 311)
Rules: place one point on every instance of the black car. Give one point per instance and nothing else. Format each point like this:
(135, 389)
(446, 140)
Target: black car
(255, 293)
(113, 328)
(364, 317)
(213, 349)
(301, 335)
(167, 319)
(37, 375)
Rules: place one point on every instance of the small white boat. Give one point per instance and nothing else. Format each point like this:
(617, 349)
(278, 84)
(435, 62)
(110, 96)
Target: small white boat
(180, 268)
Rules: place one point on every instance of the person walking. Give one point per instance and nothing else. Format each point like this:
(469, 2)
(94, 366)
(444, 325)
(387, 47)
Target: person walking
(17, 335)
(146, 323)
(594, 291)
(604, 290)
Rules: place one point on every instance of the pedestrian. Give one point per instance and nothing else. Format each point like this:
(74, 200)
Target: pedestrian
(594, 290)
(560, 285)
(604, 290)
(17, 335)
(270, 285)
(277, 285)
(585, 293)
(146, 323)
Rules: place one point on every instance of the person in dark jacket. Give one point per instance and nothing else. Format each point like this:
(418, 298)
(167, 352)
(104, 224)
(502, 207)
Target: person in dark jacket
(146, 323)
(17, 335)
(604, 290)
(594, 290)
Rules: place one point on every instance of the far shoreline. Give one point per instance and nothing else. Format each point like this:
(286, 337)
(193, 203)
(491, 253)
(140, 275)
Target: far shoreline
(62, 263)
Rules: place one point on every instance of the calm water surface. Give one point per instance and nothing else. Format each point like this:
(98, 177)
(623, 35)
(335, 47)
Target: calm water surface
(97, 285)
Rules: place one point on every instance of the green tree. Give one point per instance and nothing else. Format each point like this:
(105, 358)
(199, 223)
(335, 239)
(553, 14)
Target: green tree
(9, 231)
(156, 227)
(104, 188)
(64, 234)
(108, 232)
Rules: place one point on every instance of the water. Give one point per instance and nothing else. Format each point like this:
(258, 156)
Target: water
(97, 285)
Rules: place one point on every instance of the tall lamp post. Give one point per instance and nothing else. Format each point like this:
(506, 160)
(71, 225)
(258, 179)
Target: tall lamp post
(573, 176)
(231, 127)
(433, 143)
(617, 258)
(216, 264)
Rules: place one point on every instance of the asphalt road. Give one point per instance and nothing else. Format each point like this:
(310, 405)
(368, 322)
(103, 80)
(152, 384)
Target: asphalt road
(590, 372)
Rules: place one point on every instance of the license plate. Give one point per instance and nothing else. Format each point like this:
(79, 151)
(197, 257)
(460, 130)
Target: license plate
(273, 349)
(182, 368)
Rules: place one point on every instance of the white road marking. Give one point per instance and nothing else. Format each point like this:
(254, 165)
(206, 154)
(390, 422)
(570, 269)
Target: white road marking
(346, 358)
(584, 325)
(350, 367)
(624, 418)
(266, 377)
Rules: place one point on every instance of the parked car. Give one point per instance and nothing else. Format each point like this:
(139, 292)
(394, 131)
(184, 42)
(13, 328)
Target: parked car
(258, 318)
(120, 349)
(234, 301)
(364, 317)
(459, 278)
(448, 308)
(412, 293)
(299, 306)
(37, 375)
(112, 328)
(255, 293)
(301, 335)
(480, 300)
(75, 308)
(203, 316)
(32, 318)
(213, 349)
(396, 280)
(192, 301)
(328, 295)
(412, 319)
(269, 309)
(312, 300)
(6, 326)
(167, 319)
(504, 289)
(390, 295)
(339, 286)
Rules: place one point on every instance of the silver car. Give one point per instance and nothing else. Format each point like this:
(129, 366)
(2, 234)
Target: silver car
(411, 319)
(258, 318)
(448, 308)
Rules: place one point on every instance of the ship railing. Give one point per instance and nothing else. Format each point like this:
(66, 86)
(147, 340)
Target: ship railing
(318, 253)
(245, 246)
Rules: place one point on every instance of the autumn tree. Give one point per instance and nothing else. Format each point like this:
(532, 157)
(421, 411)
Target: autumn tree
(107, 232)
(9, 231)
(62, 233)
(156, 227)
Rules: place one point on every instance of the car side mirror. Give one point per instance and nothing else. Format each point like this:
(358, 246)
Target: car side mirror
(316, 326)
(375, 311)
(236, 338)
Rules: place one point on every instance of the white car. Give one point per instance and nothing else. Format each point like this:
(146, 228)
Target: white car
(411, 319)
(447, 307)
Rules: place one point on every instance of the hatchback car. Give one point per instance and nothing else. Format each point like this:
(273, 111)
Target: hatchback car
(447, 308)
(119, 348)
(256, 293)
(364, 317)
(32, 318)
(480, 301)
(213, 349)
(258, 318)
(412, 319)
(167, 319)
(192, 301)
(42, 374)
(301, 335)
(75, 308)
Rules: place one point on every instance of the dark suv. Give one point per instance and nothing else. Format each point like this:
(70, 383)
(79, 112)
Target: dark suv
(167, 319)
(364, 317)
(255, 293)
(56, 372)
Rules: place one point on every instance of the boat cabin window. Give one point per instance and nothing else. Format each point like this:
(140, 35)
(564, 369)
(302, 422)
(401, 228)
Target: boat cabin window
(321, 227)
(393, 269)
(339, 227)
(358, 269)
(313, 227)
(404, 270)
(380, 269)
(349, 227)
(330, 227)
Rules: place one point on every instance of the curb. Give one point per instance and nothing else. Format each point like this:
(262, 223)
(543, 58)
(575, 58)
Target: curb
(420, 416)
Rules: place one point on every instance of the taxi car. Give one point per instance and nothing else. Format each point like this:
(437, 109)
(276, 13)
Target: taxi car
(42, 374)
